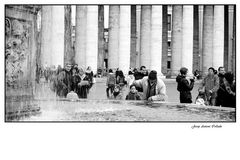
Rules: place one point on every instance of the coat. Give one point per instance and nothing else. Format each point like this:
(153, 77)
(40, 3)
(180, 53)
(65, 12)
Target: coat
(160, 89)
(64, 83)
(227, 99)
(133, 96)
(211, 83)
(184, 88)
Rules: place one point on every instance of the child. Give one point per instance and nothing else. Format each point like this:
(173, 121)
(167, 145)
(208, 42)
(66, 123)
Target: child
(110, 82)
(133, 94)
(116, 93)
(201, 98)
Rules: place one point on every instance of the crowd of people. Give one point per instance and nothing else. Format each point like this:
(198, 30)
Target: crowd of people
(141, 85)
(69, 80)
(217, 88)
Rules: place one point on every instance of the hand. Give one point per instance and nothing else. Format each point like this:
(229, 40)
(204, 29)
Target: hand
(150, 99)
(210, 91)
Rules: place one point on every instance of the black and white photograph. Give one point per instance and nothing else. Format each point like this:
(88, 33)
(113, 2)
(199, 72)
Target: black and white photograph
(120, 63)
(119, 80)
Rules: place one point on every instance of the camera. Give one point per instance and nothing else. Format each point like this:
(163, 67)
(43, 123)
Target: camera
(193, 78)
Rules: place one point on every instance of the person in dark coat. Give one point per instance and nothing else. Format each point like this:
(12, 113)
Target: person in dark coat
(75, 79)
(141, 73)
(89, 75)
(64, 81)
(184, 87)
(219, 98)
(227, 90)
(84, 84)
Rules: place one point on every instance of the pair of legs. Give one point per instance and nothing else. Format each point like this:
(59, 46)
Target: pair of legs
(111, 88)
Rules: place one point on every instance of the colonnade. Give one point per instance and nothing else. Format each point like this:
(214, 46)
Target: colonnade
(152, 30)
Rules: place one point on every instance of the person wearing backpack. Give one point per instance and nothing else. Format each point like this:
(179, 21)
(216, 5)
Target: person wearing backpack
(110, 82)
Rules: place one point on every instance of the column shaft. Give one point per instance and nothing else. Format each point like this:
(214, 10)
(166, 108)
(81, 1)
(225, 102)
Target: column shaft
(230, 38)
(138, 57)
(207, 38)
(92, 37)
(80, 44)
(58, 35)
(101, 36)
(133, 54)
(218, 36)
(196, 52)
(200, 12)
(226, 37)
(187, 38)
(113, 36)
(68, 53)
(176, 39)
(145, 36)
(124, 38)
(46, 24)
(156, 39)
(164, 39)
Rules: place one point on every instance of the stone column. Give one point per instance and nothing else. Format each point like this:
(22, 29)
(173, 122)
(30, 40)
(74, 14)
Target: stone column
(234, 41)
(138, 57)
(80, 44)
(156, 39)
(207, 38)
(200, 12)
(124, 38)
(68, 53)
(46, 40)
(113, 36)
(133, 54)
(187, 38)
(176, 39)
(101, 36)
(218, 36)
(226, 37)
(196, 57)
(92, 37)
(164, 39)
(145, 36)
(57, 35)
(230, 38)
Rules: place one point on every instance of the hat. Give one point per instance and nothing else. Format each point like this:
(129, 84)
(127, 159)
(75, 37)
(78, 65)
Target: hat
(152, 75)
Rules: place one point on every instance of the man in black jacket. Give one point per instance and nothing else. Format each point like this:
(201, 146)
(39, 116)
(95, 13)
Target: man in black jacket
(184, 87)
(220, 95)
